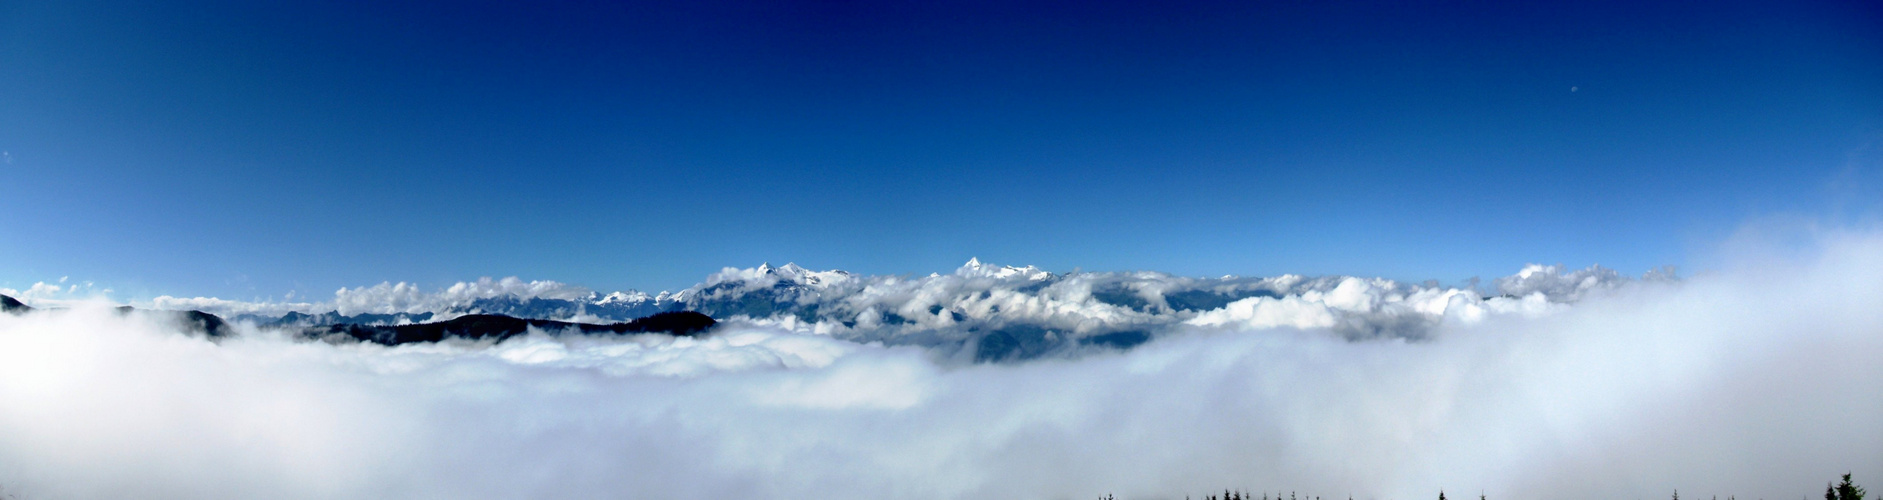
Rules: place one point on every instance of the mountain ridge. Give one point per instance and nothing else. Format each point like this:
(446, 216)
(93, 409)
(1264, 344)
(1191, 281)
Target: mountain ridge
(469, 326)
(499, 328)
(984, 312)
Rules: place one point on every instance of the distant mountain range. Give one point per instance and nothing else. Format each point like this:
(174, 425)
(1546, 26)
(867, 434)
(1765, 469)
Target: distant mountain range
(978, 313)
(617, 306)
(473, 326)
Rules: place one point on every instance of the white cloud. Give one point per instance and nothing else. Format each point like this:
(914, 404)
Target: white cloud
(1359, 308)
(43, 294)
(387, 298)
(1560, 286)
(1264, 313)
(391, 298)
(1761, 380)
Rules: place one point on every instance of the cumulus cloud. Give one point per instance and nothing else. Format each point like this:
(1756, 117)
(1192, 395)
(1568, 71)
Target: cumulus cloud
(1558, 285)
(390, 298)
(1760, 380)
(59, 294)
(1362, 309)
(228, 307)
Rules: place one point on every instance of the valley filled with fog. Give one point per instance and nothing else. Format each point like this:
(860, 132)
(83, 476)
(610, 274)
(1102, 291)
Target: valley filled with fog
(1758, 379)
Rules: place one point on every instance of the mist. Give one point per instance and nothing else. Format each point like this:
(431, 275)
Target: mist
(1760, 379)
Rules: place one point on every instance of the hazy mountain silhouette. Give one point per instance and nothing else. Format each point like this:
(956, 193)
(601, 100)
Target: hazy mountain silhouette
(11, 305)
(209, 325)
(474, 326)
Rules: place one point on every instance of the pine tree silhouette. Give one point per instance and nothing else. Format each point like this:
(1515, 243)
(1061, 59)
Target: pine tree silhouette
(1441, 494)
(1843, 491)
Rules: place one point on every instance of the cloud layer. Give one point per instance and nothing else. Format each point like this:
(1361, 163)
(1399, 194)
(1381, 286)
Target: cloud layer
(1761, 380)
(979, 312)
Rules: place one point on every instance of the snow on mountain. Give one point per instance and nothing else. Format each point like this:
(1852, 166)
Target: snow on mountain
(986, 312)
(974, 267)
(989, 312)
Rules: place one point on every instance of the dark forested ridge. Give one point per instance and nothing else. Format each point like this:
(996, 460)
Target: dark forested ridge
(197, 321)
(499, 327)
(11, 305)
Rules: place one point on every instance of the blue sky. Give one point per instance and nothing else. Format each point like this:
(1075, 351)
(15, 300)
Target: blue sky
(240, 150)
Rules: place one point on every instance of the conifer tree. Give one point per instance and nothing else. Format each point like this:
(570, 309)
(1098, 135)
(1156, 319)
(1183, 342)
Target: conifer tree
(1843, 491)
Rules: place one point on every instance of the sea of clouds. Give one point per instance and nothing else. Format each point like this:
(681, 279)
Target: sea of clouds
(979, 312)
(1761, 378)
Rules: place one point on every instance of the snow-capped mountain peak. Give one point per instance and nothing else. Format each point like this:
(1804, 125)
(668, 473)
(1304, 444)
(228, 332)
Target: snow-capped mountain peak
(976, 268)
(627, 297)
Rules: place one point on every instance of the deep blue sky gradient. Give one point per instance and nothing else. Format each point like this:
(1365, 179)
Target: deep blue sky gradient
(241, 150)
